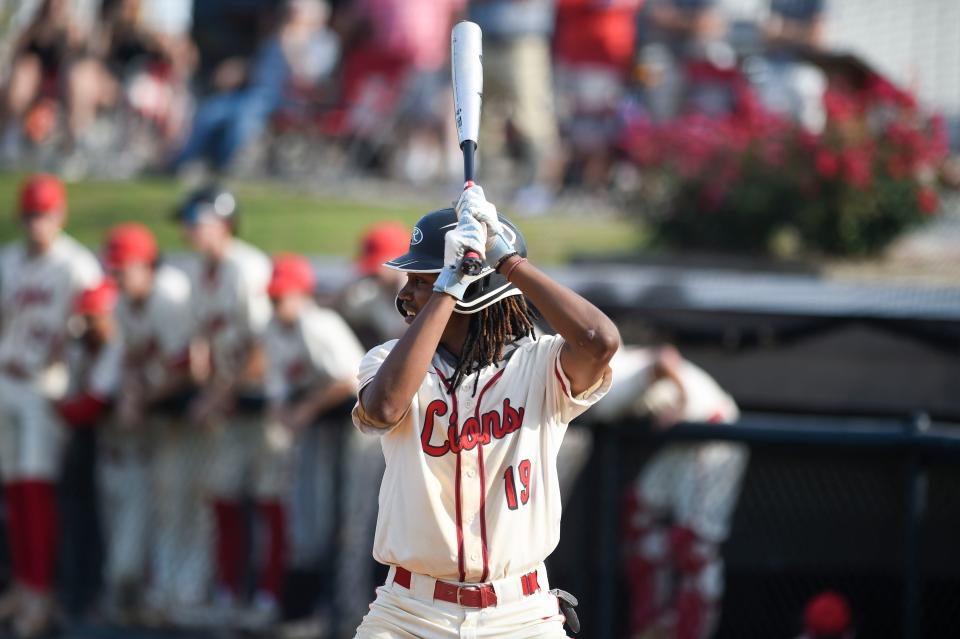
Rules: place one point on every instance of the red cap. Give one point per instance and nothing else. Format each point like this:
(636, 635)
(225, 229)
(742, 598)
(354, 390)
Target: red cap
(291, 274)
(827, 614)
(97, 300)
(42, 193)
(130, 244)
(381, 243)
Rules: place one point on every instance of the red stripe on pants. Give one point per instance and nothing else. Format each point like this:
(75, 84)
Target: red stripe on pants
(17, 533)
(230, 543)
(39, 502)
(274, 517)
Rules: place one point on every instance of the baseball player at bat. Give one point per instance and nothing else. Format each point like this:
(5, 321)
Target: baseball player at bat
(40, 278)
(471, 410)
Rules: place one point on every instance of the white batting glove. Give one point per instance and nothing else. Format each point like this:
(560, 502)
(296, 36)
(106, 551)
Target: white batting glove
(469, 235)
(500, 238)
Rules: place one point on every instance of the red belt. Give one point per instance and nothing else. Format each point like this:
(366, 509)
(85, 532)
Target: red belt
(479, 596)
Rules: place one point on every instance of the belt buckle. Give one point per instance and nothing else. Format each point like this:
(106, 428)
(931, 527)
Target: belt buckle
(460, 590)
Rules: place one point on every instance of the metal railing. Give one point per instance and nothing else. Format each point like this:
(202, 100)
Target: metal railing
(876, 472)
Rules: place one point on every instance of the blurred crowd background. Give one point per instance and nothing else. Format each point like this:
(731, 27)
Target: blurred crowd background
(319, 89)
(715, 501)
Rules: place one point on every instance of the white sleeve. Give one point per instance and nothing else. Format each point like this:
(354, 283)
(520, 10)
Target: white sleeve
(254, 301)
(105, 375)
(175, 322)
(558, 389)
(369, 366)
(85, 271)
(334, 349)
(632, 375)
(706, 399)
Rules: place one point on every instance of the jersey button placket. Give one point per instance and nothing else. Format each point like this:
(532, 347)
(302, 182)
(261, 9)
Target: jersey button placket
(471, 508)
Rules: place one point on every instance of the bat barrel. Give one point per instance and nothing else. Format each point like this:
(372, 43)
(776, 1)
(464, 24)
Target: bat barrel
(466, 65)
(466, 55)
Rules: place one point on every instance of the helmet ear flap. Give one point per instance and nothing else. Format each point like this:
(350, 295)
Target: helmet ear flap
(399, 305)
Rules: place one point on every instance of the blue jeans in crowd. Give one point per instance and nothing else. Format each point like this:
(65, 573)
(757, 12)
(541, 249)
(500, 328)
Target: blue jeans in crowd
(224, 124)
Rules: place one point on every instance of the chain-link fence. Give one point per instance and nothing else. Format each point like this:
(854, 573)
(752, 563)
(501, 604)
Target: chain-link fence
(863, 508)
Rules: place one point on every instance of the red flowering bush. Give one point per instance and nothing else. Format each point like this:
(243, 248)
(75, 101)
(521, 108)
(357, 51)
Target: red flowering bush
(739, 182)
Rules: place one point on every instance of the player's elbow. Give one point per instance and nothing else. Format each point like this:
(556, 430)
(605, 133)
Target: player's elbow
(379, 411)
(601, 342)
(385, 416)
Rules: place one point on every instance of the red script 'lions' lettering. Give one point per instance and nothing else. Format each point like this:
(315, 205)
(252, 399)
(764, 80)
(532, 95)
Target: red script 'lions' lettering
(491, 425)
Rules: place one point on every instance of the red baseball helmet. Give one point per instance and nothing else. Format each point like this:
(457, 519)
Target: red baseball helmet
(827, 614)
(130, 244)
(382, 242)
(291, 274)
(97, 300)
(42, 193)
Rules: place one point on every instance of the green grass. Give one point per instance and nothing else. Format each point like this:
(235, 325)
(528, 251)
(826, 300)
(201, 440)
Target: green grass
(281, 217)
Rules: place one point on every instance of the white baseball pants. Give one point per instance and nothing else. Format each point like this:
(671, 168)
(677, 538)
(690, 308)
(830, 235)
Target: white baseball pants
(401, 613)
(32, 435)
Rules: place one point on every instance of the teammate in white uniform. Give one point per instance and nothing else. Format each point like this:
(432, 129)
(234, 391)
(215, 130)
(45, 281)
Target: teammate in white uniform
(367, 304)
(92, 357)
(149, 455)
(231, 310)
(677, 512)
(312, 358)
(471, 411)
(39, 279)
(93, 363)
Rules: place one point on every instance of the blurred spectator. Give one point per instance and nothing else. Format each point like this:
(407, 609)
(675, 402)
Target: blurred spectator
(93, 363)
(40, 64)
(301, 49)
(786, 83)
(120, 49)
(161, 94)
(170, 21)
(227, 35)
(40, 276)
(368, 303)
(398, 84)
(678, 510)
(518, 90)
(683, 56)
(827, 616)
(594, 44)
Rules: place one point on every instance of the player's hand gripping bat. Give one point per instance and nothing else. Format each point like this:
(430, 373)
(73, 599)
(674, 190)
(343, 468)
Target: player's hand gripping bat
(466, 58)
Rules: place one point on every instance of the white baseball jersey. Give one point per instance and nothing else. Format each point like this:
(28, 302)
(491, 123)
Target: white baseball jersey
(635, 390)
(36, 299)
(96, 374)
(156, 333)
(471, 491)
(230, 303)
(317, 349)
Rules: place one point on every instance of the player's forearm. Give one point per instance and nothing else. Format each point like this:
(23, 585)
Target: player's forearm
(332, 394)
(387, 398)
(584, 327)
(177, 379)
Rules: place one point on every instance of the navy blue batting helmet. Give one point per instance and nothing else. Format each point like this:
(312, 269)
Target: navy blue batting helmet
(425, 255)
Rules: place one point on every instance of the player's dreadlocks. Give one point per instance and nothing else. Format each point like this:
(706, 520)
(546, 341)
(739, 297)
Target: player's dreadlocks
(490, 331)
